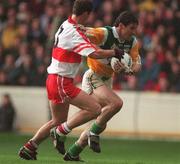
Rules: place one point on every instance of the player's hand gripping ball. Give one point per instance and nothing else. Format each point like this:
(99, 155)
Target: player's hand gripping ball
(123, 64)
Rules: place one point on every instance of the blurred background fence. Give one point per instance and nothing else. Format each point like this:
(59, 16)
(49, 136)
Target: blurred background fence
(144, 114)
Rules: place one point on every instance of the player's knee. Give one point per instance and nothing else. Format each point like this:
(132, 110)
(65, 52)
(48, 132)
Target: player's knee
(117, 105)
(97, 111)
(55, 123)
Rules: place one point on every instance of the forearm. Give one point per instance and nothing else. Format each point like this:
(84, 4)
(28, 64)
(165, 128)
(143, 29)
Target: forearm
(101, 54)
(136, 68)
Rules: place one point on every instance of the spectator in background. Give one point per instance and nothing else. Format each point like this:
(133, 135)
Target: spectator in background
(149, 73)
(7, 114)
(3, 78)
(23, 13)
(9, 32)
(162, 84)
(174, 77)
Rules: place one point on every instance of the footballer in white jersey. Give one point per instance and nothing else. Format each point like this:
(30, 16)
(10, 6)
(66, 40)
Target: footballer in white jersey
(70, 45)
(66, 55)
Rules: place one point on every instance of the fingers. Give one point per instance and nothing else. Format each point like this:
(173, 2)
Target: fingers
(129, 72)
(119, 67)
(116, 65)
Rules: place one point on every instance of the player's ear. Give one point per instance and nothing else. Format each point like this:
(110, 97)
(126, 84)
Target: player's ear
(86, 14)
(122, 26)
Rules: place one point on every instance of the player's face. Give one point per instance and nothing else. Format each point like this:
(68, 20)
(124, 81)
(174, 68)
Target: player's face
(85, 17)
(129, 30)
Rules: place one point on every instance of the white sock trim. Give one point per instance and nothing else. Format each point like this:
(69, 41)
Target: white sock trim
(58, 132)
(66, 128)
(33, 143)
(93, 134)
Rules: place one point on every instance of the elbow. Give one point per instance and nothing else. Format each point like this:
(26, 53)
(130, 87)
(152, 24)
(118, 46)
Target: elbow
(93, 55)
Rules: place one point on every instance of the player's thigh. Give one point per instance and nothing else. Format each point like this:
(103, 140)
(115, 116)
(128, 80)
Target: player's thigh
(105, 95)
(87, 81)
(85, 102)
(59, 111)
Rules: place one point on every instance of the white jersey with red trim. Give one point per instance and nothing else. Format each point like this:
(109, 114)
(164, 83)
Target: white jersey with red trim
(70, 44)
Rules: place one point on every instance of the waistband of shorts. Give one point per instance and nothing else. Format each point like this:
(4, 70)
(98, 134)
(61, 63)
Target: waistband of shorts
(67, 78)
(104, 78)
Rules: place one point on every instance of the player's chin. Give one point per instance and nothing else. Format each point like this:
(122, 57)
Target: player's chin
(128, 37)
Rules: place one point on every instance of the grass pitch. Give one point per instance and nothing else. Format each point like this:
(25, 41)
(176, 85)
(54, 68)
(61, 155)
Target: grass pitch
(114, 151)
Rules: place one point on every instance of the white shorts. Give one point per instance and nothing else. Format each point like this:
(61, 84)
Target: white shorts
(92, 80)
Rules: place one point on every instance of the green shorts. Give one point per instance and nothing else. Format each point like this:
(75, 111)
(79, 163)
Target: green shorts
(92, 80)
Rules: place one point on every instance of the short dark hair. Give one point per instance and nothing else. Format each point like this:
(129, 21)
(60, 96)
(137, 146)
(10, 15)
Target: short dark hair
(126, 18)
(81, 6)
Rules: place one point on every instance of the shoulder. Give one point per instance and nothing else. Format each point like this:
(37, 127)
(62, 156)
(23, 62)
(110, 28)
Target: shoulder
(109, 32)
(108, 28)
(98, 29)
(134, 40)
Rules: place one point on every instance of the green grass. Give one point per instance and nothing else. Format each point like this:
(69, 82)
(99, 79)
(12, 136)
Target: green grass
(114, 151)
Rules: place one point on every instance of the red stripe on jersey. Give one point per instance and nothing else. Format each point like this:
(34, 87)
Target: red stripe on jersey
(84, 36)
(79, 45)
(63, 55)
(80, 49)
(70, 20)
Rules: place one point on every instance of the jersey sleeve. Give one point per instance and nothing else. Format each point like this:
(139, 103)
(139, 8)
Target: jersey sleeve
(134, 52)
(97, 35)
(82, 45)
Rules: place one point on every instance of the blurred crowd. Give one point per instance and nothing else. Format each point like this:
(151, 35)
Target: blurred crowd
(27, 30)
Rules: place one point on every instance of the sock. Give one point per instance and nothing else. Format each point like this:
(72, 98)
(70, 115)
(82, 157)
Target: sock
(63, 129)
(31, 145)
(96, 129)
(75, 150)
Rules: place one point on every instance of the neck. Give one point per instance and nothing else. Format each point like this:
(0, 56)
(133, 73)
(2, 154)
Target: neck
(118, 29)
(74, 17)
(78, 19)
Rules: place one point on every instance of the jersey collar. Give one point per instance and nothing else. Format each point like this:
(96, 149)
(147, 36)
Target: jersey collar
(116, 34)
(70, 20)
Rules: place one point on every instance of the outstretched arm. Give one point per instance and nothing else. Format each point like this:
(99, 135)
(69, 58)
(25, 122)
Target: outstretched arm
(101, 53)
